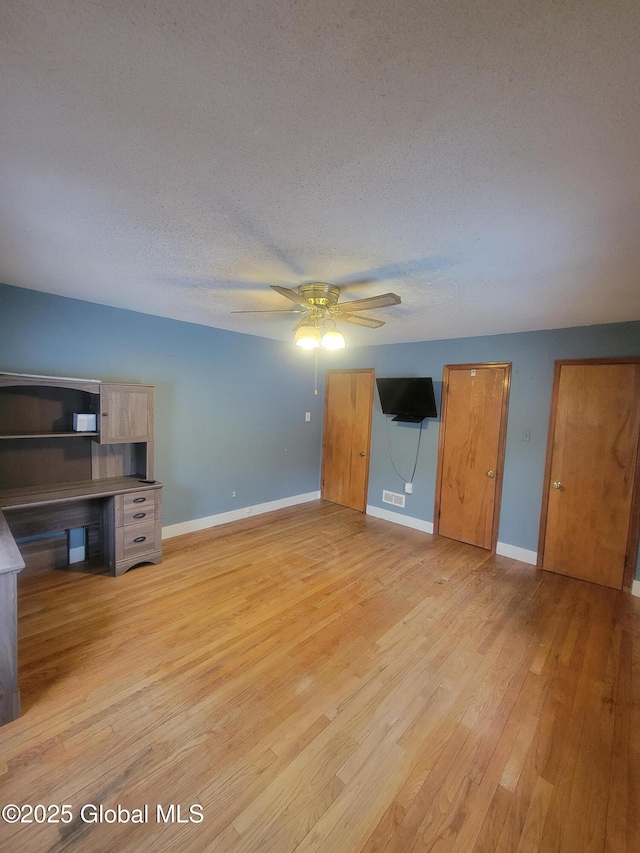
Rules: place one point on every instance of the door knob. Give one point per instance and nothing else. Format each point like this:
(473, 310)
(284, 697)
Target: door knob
(557, 484)
(491, 474)
(362, 453)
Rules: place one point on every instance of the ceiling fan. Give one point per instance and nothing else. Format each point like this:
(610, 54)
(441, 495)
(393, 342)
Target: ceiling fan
(319, 303)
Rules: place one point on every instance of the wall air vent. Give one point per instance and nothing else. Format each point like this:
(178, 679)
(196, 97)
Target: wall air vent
(392, 498)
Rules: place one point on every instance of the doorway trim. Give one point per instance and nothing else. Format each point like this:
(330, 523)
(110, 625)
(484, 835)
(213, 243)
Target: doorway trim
(502, 435)
(631, 551)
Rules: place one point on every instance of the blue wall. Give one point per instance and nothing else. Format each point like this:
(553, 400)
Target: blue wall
(532, 355)
(229, 408)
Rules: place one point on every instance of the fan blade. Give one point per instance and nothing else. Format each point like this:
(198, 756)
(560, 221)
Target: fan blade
(292, 295)
(382, 301)
(359, 321)
(273, 311)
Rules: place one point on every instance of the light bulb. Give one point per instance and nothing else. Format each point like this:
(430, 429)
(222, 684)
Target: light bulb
(308, 337)
(333, 340)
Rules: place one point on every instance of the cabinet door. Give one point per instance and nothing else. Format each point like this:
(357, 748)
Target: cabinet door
(126, 413)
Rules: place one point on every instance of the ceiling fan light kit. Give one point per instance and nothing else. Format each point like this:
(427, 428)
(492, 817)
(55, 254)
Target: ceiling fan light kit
(333, 340)
(318, 301)
(308, 337)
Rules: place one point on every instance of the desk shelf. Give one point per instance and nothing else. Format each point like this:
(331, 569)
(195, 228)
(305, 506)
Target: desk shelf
(73, 434)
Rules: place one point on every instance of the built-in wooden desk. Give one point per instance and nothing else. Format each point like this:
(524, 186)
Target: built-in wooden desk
(129, 519)
(93, 481)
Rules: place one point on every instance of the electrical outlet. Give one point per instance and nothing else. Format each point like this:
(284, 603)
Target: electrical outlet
(234, 494)
(307, 416)
(408, 488)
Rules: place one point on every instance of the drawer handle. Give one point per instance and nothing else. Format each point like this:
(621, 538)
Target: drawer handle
(139, 538)
(139, 500)
(140, 515)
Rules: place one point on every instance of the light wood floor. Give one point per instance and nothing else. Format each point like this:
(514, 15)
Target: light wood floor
(323, 681)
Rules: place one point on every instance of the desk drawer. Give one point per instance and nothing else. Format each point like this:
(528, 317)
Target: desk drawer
(142, 501)
(138, 514)
(146, 501)
(139, 539)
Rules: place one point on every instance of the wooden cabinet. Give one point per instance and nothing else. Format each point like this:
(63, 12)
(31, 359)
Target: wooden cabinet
(126, 413)
(126, 423)
(138, 528)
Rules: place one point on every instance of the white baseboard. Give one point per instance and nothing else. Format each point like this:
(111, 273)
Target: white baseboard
(235, 515)
(524, 555)
(517, 553)
(513, 551)
(397, 518)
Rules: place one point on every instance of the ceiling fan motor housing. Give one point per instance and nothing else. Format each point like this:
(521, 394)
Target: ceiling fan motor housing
(319, 293)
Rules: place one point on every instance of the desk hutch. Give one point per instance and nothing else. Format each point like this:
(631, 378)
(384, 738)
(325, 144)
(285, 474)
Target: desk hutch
(54, 479)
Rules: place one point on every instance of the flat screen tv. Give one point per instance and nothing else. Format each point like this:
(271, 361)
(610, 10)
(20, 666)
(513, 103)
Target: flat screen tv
(410, 399)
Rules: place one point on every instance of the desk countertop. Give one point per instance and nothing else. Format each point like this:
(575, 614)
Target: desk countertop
(32, 496)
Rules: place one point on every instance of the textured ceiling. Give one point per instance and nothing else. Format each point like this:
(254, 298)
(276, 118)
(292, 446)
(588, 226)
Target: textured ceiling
(482, 160)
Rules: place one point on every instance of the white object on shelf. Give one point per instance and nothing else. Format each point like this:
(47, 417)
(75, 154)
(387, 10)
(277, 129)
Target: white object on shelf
(84, 422)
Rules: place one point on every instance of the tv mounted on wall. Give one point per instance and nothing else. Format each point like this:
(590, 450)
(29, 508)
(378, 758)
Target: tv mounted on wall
(410, 399)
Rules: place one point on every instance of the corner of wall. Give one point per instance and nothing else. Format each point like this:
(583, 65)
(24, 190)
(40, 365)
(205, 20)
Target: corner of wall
(524, 555)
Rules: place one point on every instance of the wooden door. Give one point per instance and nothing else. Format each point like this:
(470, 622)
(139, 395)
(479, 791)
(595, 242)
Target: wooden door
(475, 398)
(346, 437)
(587, 528)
